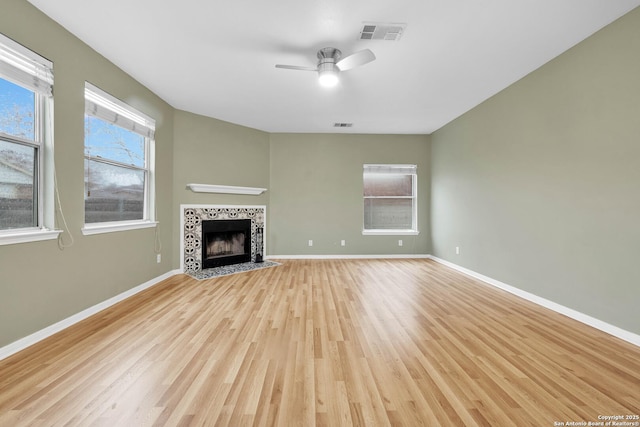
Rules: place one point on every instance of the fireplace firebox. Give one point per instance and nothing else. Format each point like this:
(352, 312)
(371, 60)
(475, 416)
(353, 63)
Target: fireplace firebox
(226, 242)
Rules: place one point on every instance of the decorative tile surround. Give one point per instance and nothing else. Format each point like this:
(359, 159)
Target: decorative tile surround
(191, 229)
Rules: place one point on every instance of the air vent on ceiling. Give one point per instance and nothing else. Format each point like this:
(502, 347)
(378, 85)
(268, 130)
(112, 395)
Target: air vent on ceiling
(342, 125)
(380, 31)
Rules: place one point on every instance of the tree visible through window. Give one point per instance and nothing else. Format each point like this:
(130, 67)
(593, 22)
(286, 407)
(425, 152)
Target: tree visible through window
(115, 172)
(18, 158)
(17, 110)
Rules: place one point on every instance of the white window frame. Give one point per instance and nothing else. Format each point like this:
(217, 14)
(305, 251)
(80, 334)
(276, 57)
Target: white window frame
(25, 68)
(402, 170)
(106, 107)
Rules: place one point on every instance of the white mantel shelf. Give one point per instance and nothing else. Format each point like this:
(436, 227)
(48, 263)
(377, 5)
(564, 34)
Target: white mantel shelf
(227, 189)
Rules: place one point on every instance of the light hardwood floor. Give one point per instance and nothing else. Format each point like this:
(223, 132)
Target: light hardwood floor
(323, 342)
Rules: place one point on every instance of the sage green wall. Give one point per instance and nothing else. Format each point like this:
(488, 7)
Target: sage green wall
(316, 193)
(211, 151)
(540, 185)
(39, 283)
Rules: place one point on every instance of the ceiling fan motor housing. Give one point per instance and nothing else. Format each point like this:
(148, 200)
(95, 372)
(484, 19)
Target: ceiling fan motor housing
(329, 53)
(327, 59)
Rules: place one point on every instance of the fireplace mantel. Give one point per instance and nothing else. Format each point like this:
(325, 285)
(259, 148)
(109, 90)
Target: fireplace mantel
(228, 189)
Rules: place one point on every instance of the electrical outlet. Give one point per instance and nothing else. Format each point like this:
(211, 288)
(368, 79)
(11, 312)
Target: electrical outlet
(400, 242)
(310, 242)
(343, 243)
(457, 250)
(158, 258)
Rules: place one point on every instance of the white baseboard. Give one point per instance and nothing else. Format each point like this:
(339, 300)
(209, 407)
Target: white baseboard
(29, 340)
(395, 256)
(558, 308)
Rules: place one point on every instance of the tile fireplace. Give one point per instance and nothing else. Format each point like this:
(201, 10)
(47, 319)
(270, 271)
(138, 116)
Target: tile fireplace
(215, 235)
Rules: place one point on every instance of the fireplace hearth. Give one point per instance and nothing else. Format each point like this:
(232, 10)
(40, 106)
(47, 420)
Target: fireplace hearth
(225, 242)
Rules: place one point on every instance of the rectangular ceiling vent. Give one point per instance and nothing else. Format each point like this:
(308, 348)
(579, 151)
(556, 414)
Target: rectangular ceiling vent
(378, 31)
(342, 125)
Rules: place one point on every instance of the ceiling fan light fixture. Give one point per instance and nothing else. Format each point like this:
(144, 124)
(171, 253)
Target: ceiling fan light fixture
(327, 74)
(328, 78)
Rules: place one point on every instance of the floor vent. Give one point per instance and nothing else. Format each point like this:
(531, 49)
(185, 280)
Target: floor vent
(390, 32)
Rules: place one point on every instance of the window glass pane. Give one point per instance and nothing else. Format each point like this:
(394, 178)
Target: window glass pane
(387, 185)
(112, 193)
(17, 173)
(17, 110)
(388, 214)
(106, 140)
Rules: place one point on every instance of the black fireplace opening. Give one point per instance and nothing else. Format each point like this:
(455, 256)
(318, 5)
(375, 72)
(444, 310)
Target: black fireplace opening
(226, 242)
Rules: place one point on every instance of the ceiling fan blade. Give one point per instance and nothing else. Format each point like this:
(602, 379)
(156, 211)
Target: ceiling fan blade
(296, 67)
(356, 59)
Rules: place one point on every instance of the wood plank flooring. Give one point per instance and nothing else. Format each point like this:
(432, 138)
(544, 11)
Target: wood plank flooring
(326, 343)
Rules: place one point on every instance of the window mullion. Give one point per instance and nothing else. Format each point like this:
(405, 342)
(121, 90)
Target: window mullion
(146, 211)
(389, 197)
(39, 120)
(114, 163)
(20, 141)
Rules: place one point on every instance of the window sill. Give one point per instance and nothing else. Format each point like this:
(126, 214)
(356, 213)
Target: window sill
(108, 227)
(390, 232)
(26, 236)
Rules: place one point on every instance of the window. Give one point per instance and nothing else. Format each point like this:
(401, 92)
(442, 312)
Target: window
(118, 165)
(390, 199)
(26, 174)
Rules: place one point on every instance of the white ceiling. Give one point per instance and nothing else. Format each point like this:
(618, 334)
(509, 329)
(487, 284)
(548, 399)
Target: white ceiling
(217, 58)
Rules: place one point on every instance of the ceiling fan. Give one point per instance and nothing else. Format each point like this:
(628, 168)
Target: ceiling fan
(330, 63)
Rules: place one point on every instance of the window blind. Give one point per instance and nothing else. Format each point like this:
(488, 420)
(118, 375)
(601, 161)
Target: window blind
(23, 67)
(391, 169)
(390, 199)
(104, 106)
